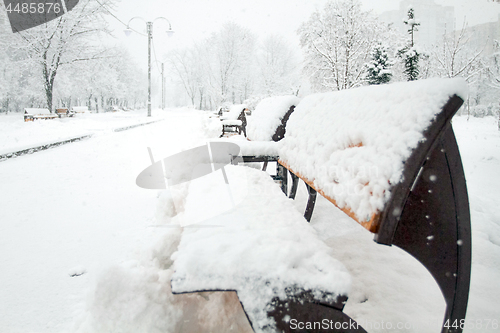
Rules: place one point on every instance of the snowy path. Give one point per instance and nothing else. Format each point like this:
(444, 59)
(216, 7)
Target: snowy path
(70, 207)
(15, 134)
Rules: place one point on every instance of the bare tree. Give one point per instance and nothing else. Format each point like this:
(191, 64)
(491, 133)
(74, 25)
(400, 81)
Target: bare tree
(277, 66)
(230, 67)
(494, 74)
(185, 65)
(454, 57)
(231, 51)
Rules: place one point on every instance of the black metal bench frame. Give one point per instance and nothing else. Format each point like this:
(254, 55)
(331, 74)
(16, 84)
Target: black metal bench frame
(420, 206)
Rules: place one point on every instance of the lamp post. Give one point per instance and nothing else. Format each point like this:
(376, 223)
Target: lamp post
(149, 29)
(162, 87)
(162, 84)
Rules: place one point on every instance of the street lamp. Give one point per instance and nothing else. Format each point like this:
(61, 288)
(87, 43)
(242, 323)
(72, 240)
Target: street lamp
(149, 29)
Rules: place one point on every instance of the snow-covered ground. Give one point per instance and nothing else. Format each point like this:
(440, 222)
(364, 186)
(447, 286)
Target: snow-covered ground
(15, 134)
(76, 210)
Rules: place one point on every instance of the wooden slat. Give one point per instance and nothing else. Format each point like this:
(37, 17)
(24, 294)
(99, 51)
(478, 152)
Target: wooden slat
(371, 225)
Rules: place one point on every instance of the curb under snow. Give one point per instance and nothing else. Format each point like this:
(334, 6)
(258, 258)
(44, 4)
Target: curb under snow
(31, 150)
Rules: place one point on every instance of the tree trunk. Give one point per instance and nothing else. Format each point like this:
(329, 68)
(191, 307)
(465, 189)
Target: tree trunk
(48, 95)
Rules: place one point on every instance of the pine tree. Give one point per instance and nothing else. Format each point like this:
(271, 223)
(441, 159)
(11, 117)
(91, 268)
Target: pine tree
(379, 67)
(409, 54)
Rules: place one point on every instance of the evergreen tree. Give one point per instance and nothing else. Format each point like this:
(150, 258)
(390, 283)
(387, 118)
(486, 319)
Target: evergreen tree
(409, 54)
(379, 67)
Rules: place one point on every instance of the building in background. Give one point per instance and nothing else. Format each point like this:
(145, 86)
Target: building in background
(484, 36)
(435, 20)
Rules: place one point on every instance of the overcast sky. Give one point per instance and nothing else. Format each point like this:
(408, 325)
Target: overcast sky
(194, 20)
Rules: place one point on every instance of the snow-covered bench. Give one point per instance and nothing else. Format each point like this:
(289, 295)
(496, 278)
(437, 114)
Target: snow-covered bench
(266, 126)
(235, 120)
(79, 109)
(386, 156)
(31, 114)
(64, 112)
(268, 120)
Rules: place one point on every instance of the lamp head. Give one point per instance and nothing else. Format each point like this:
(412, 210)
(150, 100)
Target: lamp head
(127, 31)
(170, 32)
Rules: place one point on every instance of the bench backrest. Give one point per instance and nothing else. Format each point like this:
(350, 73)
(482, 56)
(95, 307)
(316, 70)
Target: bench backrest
(235, 112)
(352, 146)
(268, 120)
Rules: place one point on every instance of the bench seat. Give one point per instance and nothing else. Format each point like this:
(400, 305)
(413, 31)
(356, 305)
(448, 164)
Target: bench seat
(261, 254)
(231, 122)
(357, 142)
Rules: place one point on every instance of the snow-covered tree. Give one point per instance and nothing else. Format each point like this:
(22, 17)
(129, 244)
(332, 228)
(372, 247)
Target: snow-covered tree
(277, 66)
(64, 41)
(102, 83)
(19, 84)
(231, 63)
(494, 67)
(379, 67)
(337, 43)
(412, 25)
(231, 67)
(409, 54)
(494, 76)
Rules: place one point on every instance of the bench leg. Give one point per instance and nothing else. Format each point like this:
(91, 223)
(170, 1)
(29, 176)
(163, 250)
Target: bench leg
(435, 226)
(282, 174)
(295, 185)
(264, 167)
(310, 203)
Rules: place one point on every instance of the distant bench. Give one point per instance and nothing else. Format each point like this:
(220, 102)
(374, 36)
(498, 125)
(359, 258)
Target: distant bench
(266, 126)
(64, 112)
(79, 109)
(31, 114)
(234, 121)
(387, 157)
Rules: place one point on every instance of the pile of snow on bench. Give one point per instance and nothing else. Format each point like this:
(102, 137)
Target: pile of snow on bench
(231, 118)
(257, 252)
(352, 144)
(80, 109)
(267, 116)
